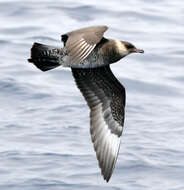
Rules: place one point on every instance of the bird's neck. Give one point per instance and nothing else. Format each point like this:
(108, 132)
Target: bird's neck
(110, 50)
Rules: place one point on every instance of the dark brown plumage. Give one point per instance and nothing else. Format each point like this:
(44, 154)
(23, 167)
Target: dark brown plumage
(89, 55)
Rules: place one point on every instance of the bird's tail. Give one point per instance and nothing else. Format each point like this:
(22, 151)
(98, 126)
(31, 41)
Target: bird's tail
(46, 57)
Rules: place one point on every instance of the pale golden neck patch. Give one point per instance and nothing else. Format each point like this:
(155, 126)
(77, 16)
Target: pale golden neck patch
(121, 48)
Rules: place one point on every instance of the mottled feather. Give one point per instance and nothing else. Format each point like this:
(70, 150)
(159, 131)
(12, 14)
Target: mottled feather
(106, 98)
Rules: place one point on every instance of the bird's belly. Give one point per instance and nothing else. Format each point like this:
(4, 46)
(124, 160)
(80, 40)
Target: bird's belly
(92, 61)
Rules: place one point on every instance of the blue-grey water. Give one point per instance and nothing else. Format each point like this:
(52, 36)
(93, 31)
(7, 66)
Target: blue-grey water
(44, 124)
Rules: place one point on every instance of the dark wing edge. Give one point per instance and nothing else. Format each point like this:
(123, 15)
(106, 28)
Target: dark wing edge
(106, 98)
(80, 43)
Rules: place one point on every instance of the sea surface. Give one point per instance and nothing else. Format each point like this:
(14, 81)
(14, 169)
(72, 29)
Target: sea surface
(44, 121)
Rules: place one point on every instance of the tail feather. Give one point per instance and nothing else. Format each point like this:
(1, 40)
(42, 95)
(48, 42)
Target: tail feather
(45, 57)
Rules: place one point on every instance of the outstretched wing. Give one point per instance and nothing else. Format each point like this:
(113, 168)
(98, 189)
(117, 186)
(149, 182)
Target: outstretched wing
(106, 98)
(80, 43)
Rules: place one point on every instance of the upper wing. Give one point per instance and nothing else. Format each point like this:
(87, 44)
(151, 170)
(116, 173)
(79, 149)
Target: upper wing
(106, 98)
(80, 43)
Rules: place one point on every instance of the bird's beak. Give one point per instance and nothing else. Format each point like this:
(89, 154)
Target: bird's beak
(136, 50)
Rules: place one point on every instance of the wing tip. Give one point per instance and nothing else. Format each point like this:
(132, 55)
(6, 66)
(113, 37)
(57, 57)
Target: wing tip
(107, 179)
(107, 176)
(103, 27)
(107, 170)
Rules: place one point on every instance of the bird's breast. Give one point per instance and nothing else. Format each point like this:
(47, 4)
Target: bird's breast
(102, 55)
(94, 60)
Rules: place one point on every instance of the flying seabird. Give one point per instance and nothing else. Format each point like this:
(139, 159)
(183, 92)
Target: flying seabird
(89, 55)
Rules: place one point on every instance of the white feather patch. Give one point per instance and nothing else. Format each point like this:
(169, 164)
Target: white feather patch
(106, 143)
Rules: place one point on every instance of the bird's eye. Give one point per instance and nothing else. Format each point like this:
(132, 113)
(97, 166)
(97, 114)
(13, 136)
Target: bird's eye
(129, 46)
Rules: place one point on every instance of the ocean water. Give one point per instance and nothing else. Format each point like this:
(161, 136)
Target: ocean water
(44, 121)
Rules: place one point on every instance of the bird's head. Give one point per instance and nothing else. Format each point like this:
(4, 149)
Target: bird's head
(126, 48)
